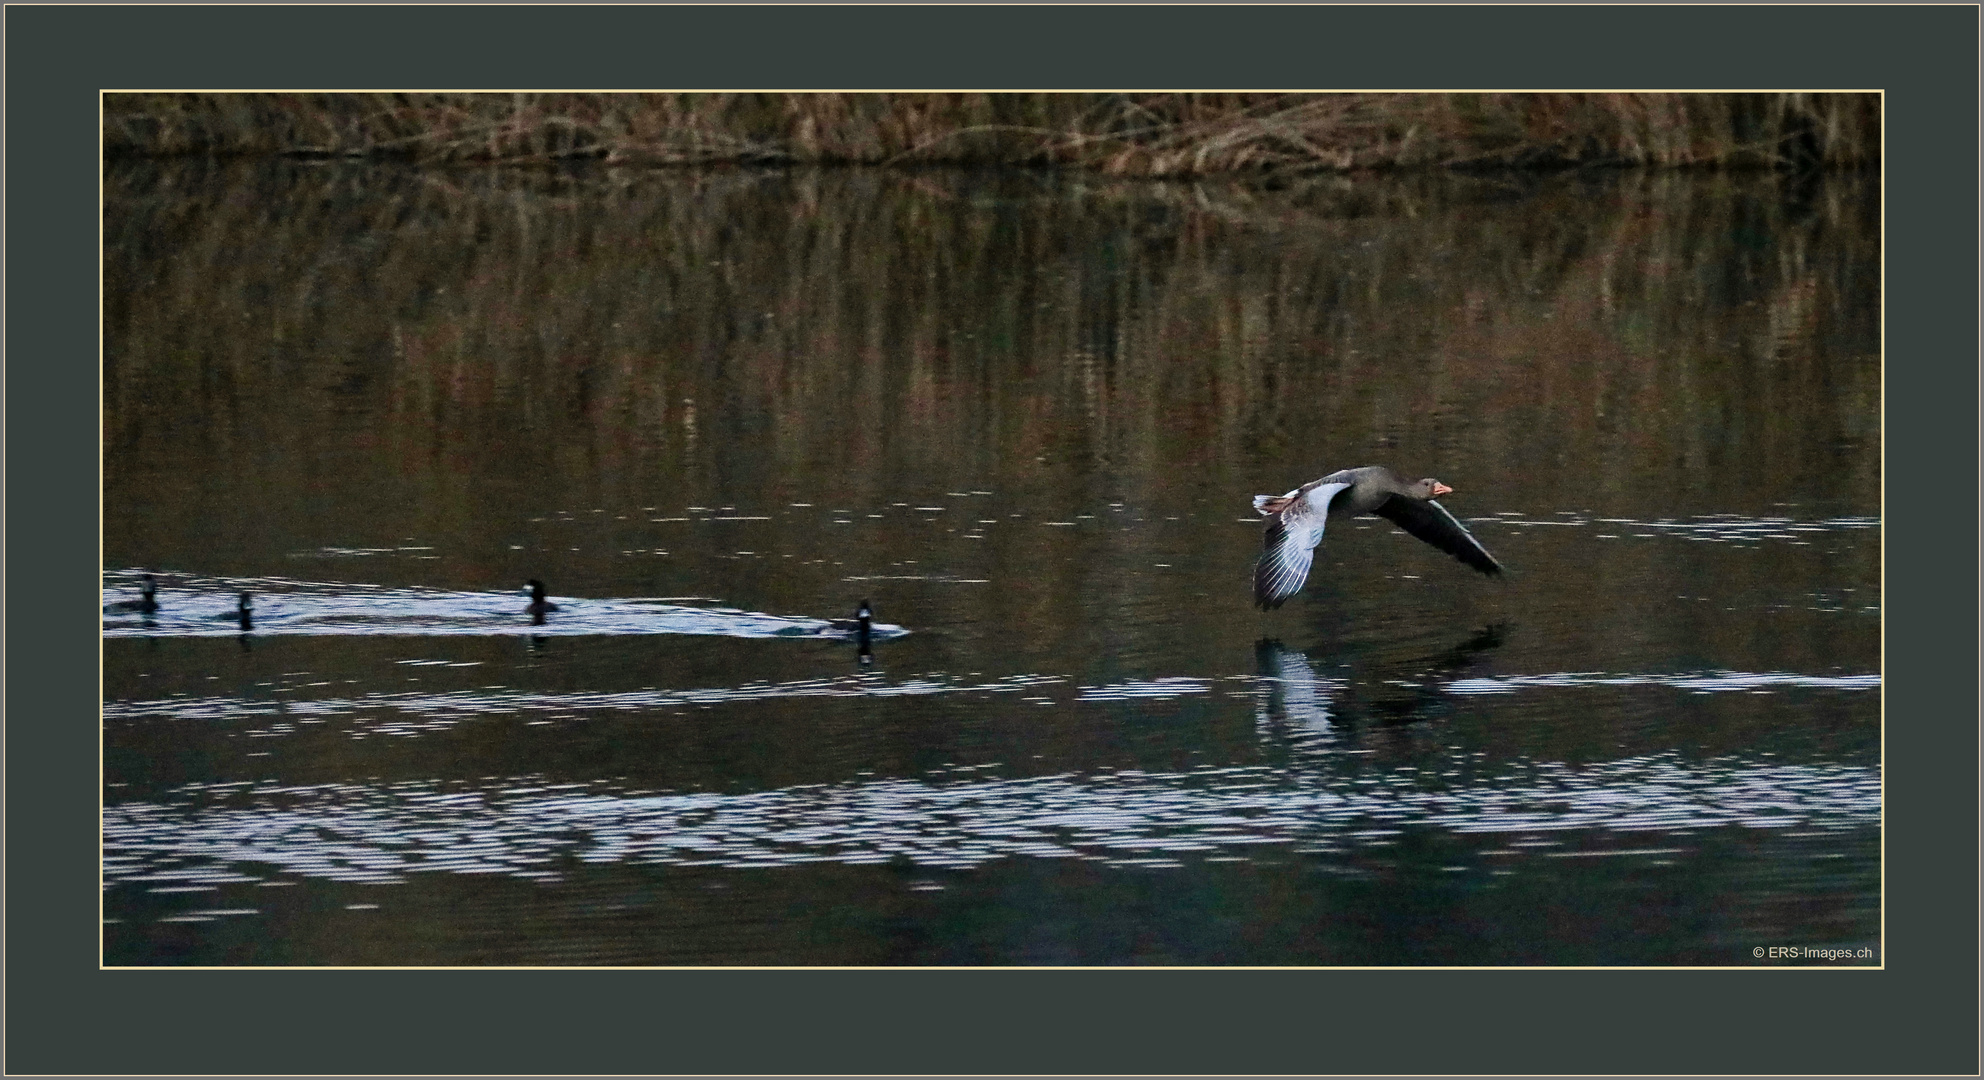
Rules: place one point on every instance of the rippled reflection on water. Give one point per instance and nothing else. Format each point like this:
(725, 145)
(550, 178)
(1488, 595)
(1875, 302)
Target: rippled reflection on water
(193, 606)
(379, 835)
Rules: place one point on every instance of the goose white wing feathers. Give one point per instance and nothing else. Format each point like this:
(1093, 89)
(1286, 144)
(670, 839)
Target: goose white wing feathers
(1295, 527)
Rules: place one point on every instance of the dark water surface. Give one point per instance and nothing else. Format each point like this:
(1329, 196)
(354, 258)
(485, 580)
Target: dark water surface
(1024, 415)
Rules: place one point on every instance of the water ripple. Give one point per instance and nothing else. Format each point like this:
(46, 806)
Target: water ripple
(382, 834)
(1719, 528)
(495, 700)
(206, 607)
(1168, 687)
(1296, 688)
(1703, 684)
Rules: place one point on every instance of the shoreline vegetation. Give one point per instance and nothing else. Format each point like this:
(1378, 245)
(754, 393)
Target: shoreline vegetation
(1130, 135)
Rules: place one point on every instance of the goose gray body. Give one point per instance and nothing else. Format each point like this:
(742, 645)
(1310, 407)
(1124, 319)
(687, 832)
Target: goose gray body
(1295, 523)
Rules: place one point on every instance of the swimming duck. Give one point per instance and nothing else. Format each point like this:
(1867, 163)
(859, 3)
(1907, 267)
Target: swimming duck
(538, 606)
(1296, 520)
(858, 626)
(148, 603)
(244, 613)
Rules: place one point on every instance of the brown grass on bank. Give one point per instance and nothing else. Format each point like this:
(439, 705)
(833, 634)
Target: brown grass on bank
(1119, 134)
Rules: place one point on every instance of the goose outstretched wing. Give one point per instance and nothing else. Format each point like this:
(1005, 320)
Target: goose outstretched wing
(1290, 545)
(1429, 521)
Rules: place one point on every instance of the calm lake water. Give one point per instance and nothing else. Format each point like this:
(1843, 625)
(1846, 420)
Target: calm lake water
(1023, 414)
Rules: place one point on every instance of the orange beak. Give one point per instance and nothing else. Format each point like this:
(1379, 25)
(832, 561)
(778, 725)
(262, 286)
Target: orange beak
(1440, 489)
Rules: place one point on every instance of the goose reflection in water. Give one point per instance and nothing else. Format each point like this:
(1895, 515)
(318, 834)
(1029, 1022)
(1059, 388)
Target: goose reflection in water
(1418, 691)
(1304, 697)
(1299, 702)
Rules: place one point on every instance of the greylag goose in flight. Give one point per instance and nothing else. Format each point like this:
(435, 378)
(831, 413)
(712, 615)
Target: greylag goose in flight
(1296, 520)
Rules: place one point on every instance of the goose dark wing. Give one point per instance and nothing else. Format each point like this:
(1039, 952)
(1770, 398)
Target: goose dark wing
(1429, 521)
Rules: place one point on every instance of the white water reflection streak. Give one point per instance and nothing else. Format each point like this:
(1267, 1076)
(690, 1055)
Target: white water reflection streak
(381, 834)
(1294, 691)
(1721, 681)
(452, 707)
(207, 607)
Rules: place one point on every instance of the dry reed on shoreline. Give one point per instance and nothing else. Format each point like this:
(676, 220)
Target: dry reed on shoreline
(1120, 134)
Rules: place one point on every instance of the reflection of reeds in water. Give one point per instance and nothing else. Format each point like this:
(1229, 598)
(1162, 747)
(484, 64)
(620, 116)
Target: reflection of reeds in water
(1124, 134)
(837, 320)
